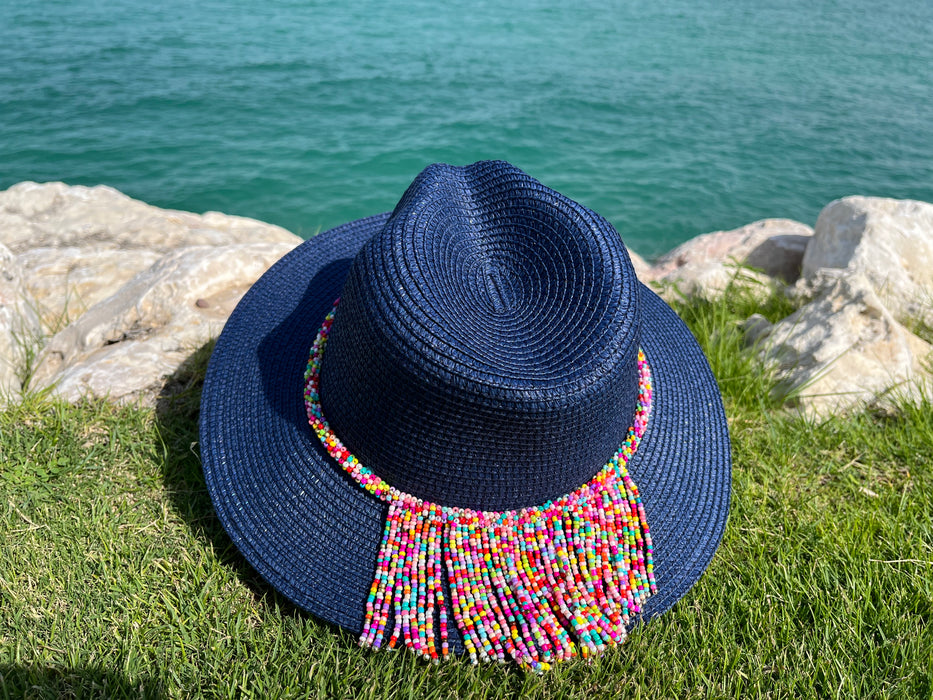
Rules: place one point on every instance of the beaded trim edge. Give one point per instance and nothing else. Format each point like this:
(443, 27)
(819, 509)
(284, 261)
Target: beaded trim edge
(538, 584)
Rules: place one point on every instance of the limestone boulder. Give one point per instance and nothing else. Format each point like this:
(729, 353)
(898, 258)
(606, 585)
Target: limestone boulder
(125, 346)
(704, 266)
(845, 349)
(56, 215)
(66, 282)
(887, 241)
(20, 332)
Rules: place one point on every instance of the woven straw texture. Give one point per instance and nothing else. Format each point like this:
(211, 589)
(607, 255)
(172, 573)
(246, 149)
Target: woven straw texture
(483, 356)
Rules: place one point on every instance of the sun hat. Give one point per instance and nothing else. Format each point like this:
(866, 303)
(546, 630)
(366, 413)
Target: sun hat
(466, 427)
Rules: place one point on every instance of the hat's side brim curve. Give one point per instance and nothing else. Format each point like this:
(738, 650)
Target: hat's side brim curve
(314, 534)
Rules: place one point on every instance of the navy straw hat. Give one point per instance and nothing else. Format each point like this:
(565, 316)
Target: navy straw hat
(510, 447)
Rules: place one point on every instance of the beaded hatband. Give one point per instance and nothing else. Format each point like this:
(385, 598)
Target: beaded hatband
(539, 585)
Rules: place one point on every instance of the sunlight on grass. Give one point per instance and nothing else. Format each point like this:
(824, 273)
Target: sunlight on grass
(116, 579)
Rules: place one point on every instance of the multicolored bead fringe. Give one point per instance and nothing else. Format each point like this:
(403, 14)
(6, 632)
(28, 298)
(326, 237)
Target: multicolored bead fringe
(539, 585)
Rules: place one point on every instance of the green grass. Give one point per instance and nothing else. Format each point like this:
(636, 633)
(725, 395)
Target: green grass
(116, 579)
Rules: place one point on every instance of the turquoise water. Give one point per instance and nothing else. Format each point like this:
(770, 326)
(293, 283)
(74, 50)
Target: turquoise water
(671, 119)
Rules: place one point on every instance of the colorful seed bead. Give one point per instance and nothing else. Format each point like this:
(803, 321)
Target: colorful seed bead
(539, 585)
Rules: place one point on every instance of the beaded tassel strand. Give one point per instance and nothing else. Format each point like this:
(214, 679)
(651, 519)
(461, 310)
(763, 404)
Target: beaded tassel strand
(539, 585)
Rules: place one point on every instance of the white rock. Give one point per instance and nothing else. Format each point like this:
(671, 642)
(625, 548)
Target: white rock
(20, 333)
(77, 246)
(65, 282)
(705, 265)
(125, 346)
(888, 241)
(55, 215)
(845, 349)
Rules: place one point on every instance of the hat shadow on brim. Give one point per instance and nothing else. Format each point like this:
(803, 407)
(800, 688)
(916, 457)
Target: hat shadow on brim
(176, 414)
(314, 534)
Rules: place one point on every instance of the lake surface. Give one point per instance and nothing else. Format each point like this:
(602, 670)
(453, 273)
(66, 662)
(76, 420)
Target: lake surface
(670, 119)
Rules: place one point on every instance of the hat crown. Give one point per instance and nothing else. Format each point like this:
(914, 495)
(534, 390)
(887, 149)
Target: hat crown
(484, 353)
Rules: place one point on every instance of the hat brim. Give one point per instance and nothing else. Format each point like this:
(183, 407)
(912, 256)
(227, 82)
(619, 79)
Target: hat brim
(314, 534)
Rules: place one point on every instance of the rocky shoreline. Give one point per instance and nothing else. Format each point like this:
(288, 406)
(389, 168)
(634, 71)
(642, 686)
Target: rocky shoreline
(102, 295)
